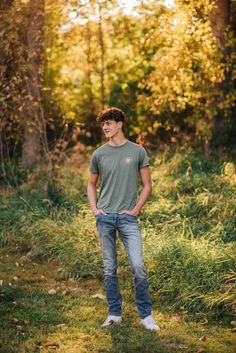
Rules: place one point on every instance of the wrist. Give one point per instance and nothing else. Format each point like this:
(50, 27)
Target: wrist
(94, 210)
(136, 210)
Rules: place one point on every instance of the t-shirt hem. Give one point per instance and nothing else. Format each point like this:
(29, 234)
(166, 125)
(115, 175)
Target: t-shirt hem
(115, 211)
(93, 171)
(144, 165)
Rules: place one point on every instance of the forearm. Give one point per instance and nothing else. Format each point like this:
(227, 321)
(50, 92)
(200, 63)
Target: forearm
(92, 196)
(146, 191)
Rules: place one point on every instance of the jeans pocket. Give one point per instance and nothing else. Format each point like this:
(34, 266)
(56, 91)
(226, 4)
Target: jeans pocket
(99, 217)
(129, 217)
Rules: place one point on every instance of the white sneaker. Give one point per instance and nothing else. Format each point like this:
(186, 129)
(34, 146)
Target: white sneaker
(111, 320)
(150, 324)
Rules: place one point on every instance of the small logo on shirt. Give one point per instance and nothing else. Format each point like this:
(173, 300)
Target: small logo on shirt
(128, 160)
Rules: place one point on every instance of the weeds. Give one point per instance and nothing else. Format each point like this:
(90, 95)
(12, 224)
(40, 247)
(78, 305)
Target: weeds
(189, 228)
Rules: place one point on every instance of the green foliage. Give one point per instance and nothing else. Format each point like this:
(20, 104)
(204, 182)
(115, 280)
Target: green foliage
(191, 221)
(188, 73)
(51, 221)
(162, 65)
(12, 173)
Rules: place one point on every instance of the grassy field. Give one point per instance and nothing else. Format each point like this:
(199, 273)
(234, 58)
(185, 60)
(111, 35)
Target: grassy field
(49, 242)
(68, 320)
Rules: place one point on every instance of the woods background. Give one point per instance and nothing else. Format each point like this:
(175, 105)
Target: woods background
(170, 65)
(170, 68)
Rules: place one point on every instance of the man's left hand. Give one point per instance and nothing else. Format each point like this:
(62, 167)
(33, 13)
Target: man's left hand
(132, 212)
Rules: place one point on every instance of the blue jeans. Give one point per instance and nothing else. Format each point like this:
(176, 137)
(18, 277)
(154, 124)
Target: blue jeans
(129, 230)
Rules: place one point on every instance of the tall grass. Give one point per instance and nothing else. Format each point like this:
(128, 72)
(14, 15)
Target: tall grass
(189, 228)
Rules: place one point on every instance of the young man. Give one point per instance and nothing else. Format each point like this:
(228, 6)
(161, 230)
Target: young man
(118, 164)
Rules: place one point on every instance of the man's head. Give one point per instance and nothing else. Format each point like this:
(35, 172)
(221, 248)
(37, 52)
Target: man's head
(112, 121)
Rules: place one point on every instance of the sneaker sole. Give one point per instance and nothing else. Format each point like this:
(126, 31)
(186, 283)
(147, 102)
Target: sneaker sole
(111, 323)
(151, 329)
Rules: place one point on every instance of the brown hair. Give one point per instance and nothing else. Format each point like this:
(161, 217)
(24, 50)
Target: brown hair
(112, 114)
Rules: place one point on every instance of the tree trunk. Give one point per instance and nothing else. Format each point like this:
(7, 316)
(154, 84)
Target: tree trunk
(89, 69)
(32, 108)
(101, 43)
(5, 77)
(220, 21)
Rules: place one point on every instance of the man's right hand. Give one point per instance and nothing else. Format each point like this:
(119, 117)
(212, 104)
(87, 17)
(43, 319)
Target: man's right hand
(97, 212)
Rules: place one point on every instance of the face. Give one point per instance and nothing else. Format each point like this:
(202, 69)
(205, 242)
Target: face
(111, 128)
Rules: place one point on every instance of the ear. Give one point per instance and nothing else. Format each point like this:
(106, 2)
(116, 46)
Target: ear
(120, 124)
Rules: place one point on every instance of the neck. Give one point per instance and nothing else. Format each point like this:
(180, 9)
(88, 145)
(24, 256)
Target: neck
(117, 140)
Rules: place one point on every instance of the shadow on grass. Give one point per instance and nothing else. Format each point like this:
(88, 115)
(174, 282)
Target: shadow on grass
(27, 318)
(130, 338)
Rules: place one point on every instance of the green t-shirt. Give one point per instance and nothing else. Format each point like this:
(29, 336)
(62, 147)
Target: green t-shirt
(118, 169)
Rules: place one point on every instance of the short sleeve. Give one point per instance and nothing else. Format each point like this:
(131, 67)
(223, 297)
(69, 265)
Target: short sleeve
(93, 165)
(143, 158)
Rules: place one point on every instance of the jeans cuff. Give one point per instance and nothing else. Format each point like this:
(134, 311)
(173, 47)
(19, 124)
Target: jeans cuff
(146, 315)
(114, 314)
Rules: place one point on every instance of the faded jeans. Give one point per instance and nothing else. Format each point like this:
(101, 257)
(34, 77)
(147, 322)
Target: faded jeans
(130, 234)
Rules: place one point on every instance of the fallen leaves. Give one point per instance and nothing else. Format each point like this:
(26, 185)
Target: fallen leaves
(204, 322)
(48, 344)
(62, 326)
(200, 350)
(19, 327)
(203, 338)
(85, 338)
(52, 291)
(37, 346)
(179, 317)
(51, 344)
(98, 296)
(182, 346)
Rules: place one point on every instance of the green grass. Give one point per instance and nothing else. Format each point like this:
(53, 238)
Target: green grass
(32, 320)
(189, 229)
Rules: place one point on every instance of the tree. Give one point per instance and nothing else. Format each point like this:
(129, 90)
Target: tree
(32, 112)
(9, 79)
(220, 19)
(184, 87)
(102, 50)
